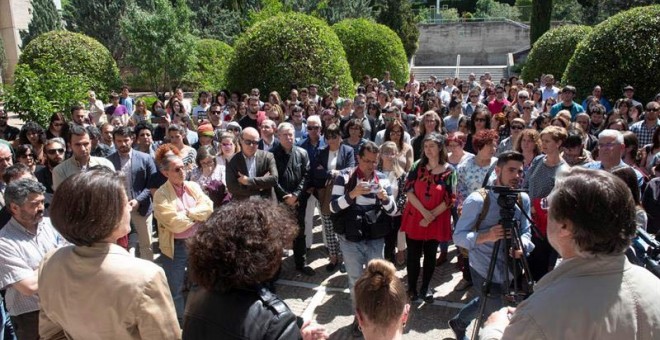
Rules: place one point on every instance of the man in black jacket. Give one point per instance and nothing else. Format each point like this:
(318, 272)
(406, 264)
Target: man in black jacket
(292, 183)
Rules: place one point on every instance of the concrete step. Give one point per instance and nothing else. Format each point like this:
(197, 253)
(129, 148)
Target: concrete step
(422, 73)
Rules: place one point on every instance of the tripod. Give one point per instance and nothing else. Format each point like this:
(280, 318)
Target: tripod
(512, 240)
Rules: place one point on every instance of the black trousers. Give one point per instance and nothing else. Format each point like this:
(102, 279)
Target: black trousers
(391, 238)
(542, 258)
(299, 245)
(26, 326)
(415, 250)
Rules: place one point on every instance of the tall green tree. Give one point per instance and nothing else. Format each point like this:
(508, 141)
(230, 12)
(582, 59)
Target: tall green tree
(100, 19)
(45, 18)
(540, 23)
(159, 43)
(398, 15)
(223, 20)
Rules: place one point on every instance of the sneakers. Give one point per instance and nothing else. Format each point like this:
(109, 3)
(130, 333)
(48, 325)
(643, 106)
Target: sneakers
(306, 270)
(459, 333)
(462, 285)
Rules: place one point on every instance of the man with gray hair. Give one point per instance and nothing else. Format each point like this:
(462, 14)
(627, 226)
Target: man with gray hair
(292, 183)
(24, 241)
(610, 150)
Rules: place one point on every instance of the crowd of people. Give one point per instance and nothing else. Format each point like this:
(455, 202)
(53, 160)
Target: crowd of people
(396, 173)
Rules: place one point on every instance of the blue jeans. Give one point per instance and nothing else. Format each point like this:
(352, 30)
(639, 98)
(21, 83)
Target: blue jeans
(356, 257)
(494, 302)
(6, 330)
(175, 271)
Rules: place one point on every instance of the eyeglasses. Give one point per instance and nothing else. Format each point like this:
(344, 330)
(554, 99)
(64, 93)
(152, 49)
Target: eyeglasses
(429, 121)
(54, 124)
(215, 112)
(227, 145)
(480, 119)
(55, 151)
(250, 142)
(4, 117)
(523, 97)
(233, 129)
(395, 132)
(6, 159)
(474, 96)
(313, 127)
(653, 110)
(360, 103)
(331, 136)
(517, 127)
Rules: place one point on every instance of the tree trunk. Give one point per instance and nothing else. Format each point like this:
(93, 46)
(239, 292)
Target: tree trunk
(540, 23)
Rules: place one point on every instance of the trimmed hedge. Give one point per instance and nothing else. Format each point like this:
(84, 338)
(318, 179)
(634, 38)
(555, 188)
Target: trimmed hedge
(76, 54)
(372, 49)
(552, 51)
(212, 59)
(622, 50)
(290, 48)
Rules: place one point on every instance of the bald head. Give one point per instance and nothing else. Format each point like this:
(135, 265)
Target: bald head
(5, 159)
(249, 141)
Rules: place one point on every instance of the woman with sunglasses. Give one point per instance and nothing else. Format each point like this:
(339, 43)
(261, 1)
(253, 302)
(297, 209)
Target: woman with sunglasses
(57, 126)
(25, 155)
(355, 135)
(480, 121)
(32, 133)
(430, 123)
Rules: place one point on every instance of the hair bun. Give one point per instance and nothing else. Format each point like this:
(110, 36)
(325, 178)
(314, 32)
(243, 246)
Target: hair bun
(380, 274)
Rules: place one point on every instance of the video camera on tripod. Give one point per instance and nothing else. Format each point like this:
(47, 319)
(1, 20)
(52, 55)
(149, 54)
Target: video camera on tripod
(508, 198)
(645, 252)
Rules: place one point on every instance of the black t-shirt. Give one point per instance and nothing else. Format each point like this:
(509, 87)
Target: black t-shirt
(248, 122)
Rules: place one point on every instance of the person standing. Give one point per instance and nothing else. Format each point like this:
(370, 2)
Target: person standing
(251, 172)
(478, 235)
(24, 242)
(426, 220)
(646, 128)
(591, 220)
(54, 149)
(81, 161)
(293, 168)
(358, 191)
(94, 286)
(138, 168)
(180, 208)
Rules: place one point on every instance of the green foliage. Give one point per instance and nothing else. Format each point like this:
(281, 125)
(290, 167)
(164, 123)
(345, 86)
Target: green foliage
(525, 8)
(3, 57)
(449, 14)
(212, 59)
(398, 15)
(36, 95)
(269, 9)
(624, 49)
(45, 18)
(289, 49)
(567, 11)
(148, 100)
(552, 51)
(540, 22)
(372, 49)
(333, 11)
(216, 19)
(493, 9)
(159, 43)
(100, 19)
(596, 11)
(76, 55)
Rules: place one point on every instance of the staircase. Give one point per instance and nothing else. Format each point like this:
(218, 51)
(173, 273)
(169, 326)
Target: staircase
(422, 73)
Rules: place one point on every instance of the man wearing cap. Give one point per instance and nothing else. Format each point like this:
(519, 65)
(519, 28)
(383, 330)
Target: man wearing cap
(629, 92)
(567, 103)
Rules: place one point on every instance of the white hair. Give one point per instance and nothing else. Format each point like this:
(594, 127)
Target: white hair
(611, 134)
(285, 127)
(314, 118)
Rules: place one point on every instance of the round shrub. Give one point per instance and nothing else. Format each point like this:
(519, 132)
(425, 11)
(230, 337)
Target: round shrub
(76, 54)
(212, 59)
(552, 51)
(622, 50)
(372, 49)
(289, 49)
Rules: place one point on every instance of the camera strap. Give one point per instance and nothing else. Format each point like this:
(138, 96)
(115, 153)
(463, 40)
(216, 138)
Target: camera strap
(486, 205)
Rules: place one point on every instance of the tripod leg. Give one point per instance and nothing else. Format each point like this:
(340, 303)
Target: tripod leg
(485, 290)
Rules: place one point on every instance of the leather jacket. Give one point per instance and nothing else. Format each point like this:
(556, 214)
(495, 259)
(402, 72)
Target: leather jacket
(293, 172)
(251, 313)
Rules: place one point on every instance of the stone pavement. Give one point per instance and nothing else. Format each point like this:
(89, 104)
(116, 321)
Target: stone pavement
(324, 297)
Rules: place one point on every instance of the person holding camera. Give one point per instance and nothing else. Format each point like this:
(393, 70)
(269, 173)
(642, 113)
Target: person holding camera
(478, 229)
(360, 198)
(591, 220)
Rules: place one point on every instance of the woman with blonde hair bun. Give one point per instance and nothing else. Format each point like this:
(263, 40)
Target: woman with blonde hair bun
(381, 302)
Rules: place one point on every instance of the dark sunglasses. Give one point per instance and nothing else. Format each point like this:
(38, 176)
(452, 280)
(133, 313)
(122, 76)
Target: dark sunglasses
(250, 142)
(517, 127)
(480, 119)
(54, 151)
(215, 112)
(313, 127)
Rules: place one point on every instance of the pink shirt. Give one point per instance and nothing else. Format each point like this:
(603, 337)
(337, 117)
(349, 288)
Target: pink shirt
(185, 201)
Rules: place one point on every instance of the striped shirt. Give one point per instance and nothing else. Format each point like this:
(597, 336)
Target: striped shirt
(20, 255)
(341, 199)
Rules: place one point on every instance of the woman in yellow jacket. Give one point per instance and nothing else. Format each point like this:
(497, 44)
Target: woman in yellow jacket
(180, 207)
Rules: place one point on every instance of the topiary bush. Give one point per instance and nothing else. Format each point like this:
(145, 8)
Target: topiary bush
(75, 54)
(552, 51)
(288, 49)
(372, 49)
(623, 49)
(212, 60)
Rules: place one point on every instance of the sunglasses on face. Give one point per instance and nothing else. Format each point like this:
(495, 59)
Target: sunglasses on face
(312, 128)
(55, 151)
(517, 127)
(480, 119)
(250, 142)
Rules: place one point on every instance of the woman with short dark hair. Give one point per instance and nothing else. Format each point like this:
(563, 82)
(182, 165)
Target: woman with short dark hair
(32, 133)
(96, 286)
(232, 256)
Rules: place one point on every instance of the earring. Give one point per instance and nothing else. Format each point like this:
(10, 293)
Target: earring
(360, 328)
